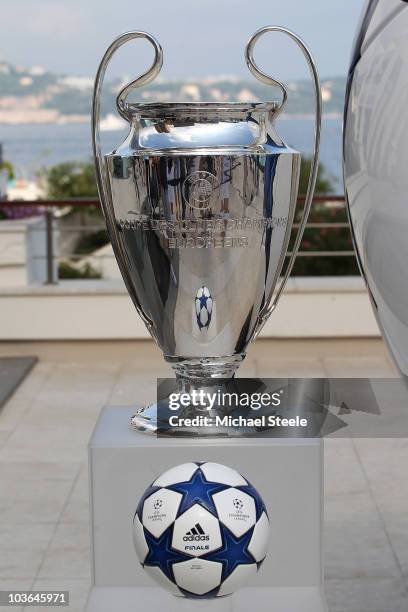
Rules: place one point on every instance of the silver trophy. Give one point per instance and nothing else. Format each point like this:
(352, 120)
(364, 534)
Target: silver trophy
(199, 202)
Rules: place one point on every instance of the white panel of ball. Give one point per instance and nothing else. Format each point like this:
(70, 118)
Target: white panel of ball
(258, 545)
(236, 510)
(160, 511)
(139, 540)
(198, 575)
(180, 473)
(241, 575)
(216, 472)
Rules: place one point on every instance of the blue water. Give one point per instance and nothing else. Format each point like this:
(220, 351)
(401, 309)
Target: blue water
(33, 147)
(299, 134)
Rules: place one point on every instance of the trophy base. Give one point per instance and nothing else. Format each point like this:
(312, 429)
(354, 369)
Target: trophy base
(196, 418)
(289, 473)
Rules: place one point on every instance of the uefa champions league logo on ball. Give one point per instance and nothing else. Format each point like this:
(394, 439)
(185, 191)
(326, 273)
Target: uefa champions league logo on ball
(213, 537)
(204, 308)
(156, 511)
(239, 512)
(238, 504)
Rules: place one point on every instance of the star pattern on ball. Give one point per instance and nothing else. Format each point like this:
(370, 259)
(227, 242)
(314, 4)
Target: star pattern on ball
(208, 595)
(203, 301)
(204, 306)
(234, 551)
(197, 490)
(161, 554)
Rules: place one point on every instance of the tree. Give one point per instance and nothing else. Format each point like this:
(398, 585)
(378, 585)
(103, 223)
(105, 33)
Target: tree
(323, 239)
(77, 180)
(71, 180)
(6, 165)
(324, 183)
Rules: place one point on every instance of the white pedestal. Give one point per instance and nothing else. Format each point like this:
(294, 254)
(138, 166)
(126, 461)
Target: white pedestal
(288, 474)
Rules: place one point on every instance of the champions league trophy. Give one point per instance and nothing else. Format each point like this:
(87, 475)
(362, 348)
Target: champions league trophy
(199, 201)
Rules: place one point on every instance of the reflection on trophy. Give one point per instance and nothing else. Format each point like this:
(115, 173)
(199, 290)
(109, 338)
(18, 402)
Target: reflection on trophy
(376, 176)
(199, 203)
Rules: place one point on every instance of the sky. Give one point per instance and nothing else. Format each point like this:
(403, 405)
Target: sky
(199, 37)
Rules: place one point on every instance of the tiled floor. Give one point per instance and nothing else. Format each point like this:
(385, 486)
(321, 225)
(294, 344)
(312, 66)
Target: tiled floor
(45, 426)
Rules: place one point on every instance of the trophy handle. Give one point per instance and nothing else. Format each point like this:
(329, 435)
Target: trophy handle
(262, 76)
(143, 79)
(101, 174)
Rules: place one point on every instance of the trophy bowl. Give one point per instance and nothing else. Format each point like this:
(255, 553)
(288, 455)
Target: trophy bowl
(199, 201)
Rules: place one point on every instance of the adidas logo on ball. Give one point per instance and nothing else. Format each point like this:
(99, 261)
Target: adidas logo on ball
(196, 534)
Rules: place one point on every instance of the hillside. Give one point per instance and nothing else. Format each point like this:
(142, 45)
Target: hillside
(34, 95)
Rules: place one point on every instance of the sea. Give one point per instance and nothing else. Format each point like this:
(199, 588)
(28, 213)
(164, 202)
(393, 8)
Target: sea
(34, 147)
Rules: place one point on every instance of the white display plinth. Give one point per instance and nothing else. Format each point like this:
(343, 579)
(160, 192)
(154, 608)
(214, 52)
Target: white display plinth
(288, 473)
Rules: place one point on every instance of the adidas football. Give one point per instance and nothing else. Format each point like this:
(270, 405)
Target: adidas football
(201, 530)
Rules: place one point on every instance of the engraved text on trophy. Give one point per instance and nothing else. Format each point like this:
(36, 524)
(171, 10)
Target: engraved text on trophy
(202, 233)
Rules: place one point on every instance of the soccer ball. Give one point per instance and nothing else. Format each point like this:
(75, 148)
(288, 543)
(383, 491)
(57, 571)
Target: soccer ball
(201, 530)
(204, 308)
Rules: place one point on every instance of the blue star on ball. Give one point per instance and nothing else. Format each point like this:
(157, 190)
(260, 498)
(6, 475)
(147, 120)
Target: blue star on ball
(198, 490)
(161, 553)
(234, 551)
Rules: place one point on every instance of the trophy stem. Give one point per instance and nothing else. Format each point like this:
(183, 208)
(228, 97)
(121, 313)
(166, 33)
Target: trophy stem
(205, 369)
(196, 393)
